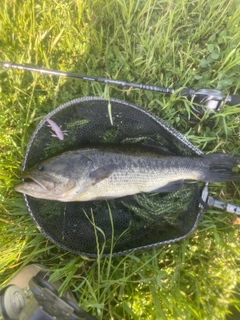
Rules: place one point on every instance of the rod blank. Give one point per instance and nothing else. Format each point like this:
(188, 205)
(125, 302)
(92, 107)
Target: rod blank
(87, 78)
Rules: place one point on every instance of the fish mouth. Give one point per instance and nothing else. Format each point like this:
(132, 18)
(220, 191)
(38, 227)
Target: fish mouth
(36, 187)
(30, 188)
(44, 183)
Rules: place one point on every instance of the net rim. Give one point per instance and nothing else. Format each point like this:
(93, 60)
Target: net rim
(147, 113)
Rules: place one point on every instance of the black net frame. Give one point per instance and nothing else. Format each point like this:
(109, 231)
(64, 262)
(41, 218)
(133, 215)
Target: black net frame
(122, 225)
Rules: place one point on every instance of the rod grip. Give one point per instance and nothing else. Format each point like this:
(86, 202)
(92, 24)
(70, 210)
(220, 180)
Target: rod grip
(233, 100)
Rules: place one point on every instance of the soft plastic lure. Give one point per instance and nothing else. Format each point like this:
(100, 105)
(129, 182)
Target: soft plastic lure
(56, 129)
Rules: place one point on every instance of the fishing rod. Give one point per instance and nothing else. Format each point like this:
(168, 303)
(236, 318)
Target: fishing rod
(212, 99)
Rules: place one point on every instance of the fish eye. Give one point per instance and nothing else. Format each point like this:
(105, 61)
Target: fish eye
(40, 167)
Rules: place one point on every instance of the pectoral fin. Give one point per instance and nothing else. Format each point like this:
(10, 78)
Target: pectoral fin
(101, 173)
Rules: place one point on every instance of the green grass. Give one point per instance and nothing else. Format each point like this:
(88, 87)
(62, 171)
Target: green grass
(165, 43)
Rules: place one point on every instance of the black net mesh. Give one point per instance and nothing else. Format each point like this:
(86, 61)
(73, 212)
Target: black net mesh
(121, 225)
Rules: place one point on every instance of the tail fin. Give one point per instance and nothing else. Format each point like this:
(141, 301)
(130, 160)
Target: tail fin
(220, 167)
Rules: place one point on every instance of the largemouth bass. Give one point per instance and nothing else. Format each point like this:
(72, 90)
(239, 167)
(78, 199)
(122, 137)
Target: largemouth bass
(107, 172)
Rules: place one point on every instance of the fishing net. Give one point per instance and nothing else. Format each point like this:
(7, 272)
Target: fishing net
(121, 225)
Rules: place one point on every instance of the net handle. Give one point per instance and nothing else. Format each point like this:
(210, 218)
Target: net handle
(214, 203)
